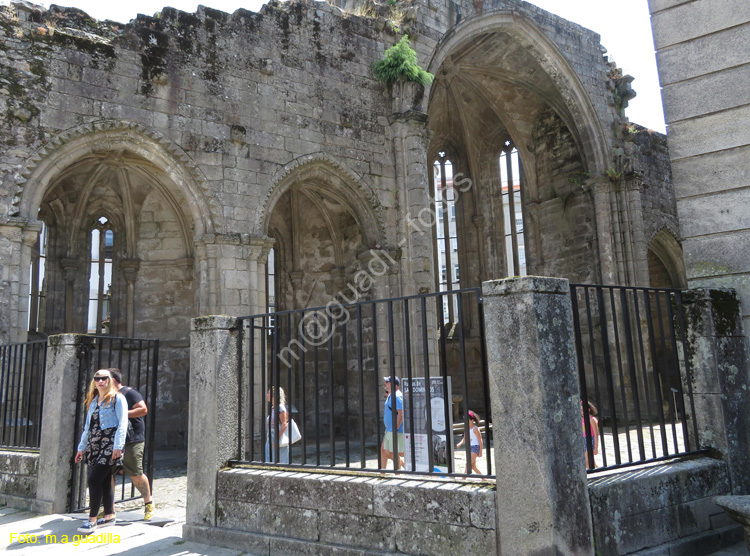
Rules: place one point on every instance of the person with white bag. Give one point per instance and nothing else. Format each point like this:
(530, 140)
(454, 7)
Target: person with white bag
(283, 416)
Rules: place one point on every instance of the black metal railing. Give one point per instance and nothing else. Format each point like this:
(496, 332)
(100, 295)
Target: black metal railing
(138, 360)
(22, 372)
(631, 365)
(331, 362)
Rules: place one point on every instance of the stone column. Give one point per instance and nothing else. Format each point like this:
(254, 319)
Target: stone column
(640, 243)
(410, 134)
(17, 238)
(130, 271)
(71, 268)
(719, 375)
(259, 247)
(213, 431)
(604, 228)
(224, 271)
(542, 495)
(58, 447)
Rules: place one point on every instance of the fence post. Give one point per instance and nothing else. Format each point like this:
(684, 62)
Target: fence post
(717, 353)
(212, 431)
(57, 445)
(542, 495)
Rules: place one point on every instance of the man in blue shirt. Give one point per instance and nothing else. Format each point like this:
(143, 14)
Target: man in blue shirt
(386, 450)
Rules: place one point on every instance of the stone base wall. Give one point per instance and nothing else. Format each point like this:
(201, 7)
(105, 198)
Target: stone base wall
(274, 512)
(18, 478)
(650, 509)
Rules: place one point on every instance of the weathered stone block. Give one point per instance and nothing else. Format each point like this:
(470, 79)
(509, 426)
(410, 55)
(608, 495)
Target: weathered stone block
(436, 538)
(243, 486)
(693, 19)
(634, 492)
(365, 531)
(713, 213)
(638, 509)
(296, 523)
(706, 94)
(709, 133)
(718, 254)
(428, 502)
(707, 55)
(324, 492)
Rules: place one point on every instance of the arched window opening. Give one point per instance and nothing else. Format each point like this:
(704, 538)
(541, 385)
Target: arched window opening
(271, 286)
(36, 281)
(510, 182)
(446, 233)
(100, 277)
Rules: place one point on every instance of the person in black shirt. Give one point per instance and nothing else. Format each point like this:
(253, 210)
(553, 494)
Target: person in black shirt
(132, 461)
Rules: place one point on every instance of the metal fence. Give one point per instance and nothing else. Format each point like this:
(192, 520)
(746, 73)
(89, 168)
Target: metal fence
(138, 360)
(331, 363)
(631, 364)
(22, 372)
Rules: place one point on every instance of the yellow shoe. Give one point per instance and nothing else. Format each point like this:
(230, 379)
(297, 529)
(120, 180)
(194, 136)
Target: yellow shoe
(148, 512)
(101, 514)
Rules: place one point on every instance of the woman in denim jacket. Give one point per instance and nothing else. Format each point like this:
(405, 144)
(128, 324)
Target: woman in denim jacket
(101, 446)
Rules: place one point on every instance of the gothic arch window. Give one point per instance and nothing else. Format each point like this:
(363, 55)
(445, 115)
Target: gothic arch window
(36, 281)
(271, 282)
(271, 303)
(510, 183)
(446, 232)
(100, 277)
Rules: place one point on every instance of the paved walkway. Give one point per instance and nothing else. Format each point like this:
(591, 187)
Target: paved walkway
(56, 534)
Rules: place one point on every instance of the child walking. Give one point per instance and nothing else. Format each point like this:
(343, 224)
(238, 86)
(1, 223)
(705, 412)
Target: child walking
(476, 443)
(591, 442)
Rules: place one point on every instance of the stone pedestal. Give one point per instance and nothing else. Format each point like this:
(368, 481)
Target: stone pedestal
(213, 433)
(738, 508)
(542, 497)
(57, 445)
(719, 369)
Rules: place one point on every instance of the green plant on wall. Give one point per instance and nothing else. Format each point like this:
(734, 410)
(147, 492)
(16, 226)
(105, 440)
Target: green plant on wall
(614, 176)
(400, 61)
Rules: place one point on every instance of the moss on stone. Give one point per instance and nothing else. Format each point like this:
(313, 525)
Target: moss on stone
(726, 312)
(154, 57)
(81, 44)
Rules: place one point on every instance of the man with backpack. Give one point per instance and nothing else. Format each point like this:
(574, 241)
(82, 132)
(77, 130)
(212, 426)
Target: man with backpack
(132, 461)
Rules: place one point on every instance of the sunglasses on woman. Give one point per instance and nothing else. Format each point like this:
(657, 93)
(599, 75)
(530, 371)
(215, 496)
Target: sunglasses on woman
(101, 378)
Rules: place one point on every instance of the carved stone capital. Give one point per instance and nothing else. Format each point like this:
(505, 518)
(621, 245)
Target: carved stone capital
(71, 267)
(130, 269)
(259, 247)
(21, 230)
(406, 97)
(297, 276)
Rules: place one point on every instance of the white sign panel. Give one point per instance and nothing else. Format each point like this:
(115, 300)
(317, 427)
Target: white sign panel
(415, 396)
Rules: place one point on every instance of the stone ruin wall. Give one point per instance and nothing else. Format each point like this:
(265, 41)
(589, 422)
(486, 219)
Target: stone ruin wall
(237, 97)
(241, 95)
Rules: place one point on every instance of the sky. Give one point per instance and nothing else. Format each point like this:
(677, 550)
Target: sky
(624, 26)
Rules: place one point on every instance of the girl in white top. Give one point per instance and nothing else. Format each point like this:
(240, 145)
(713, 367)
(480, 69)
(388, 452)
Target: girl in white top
(475, 443)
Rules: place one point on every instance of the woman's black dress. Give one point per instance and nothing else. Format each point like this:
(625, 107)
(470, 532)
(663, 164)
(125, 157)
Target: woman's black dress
(100, 443)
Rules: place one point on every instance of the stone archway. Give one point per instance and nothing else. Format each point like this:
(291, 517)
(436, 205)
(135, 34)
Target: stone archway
(121, 208)
(666, 264)
(501, 85)
(322, 217)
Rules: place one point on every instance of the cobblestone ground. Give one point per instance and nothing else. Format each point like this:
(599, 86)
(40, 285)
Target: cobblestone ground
(170, 486)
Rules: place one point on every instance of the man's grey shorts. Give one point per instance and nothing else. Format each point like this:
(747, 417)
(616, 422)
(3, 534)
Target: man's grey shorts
(132, 459)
